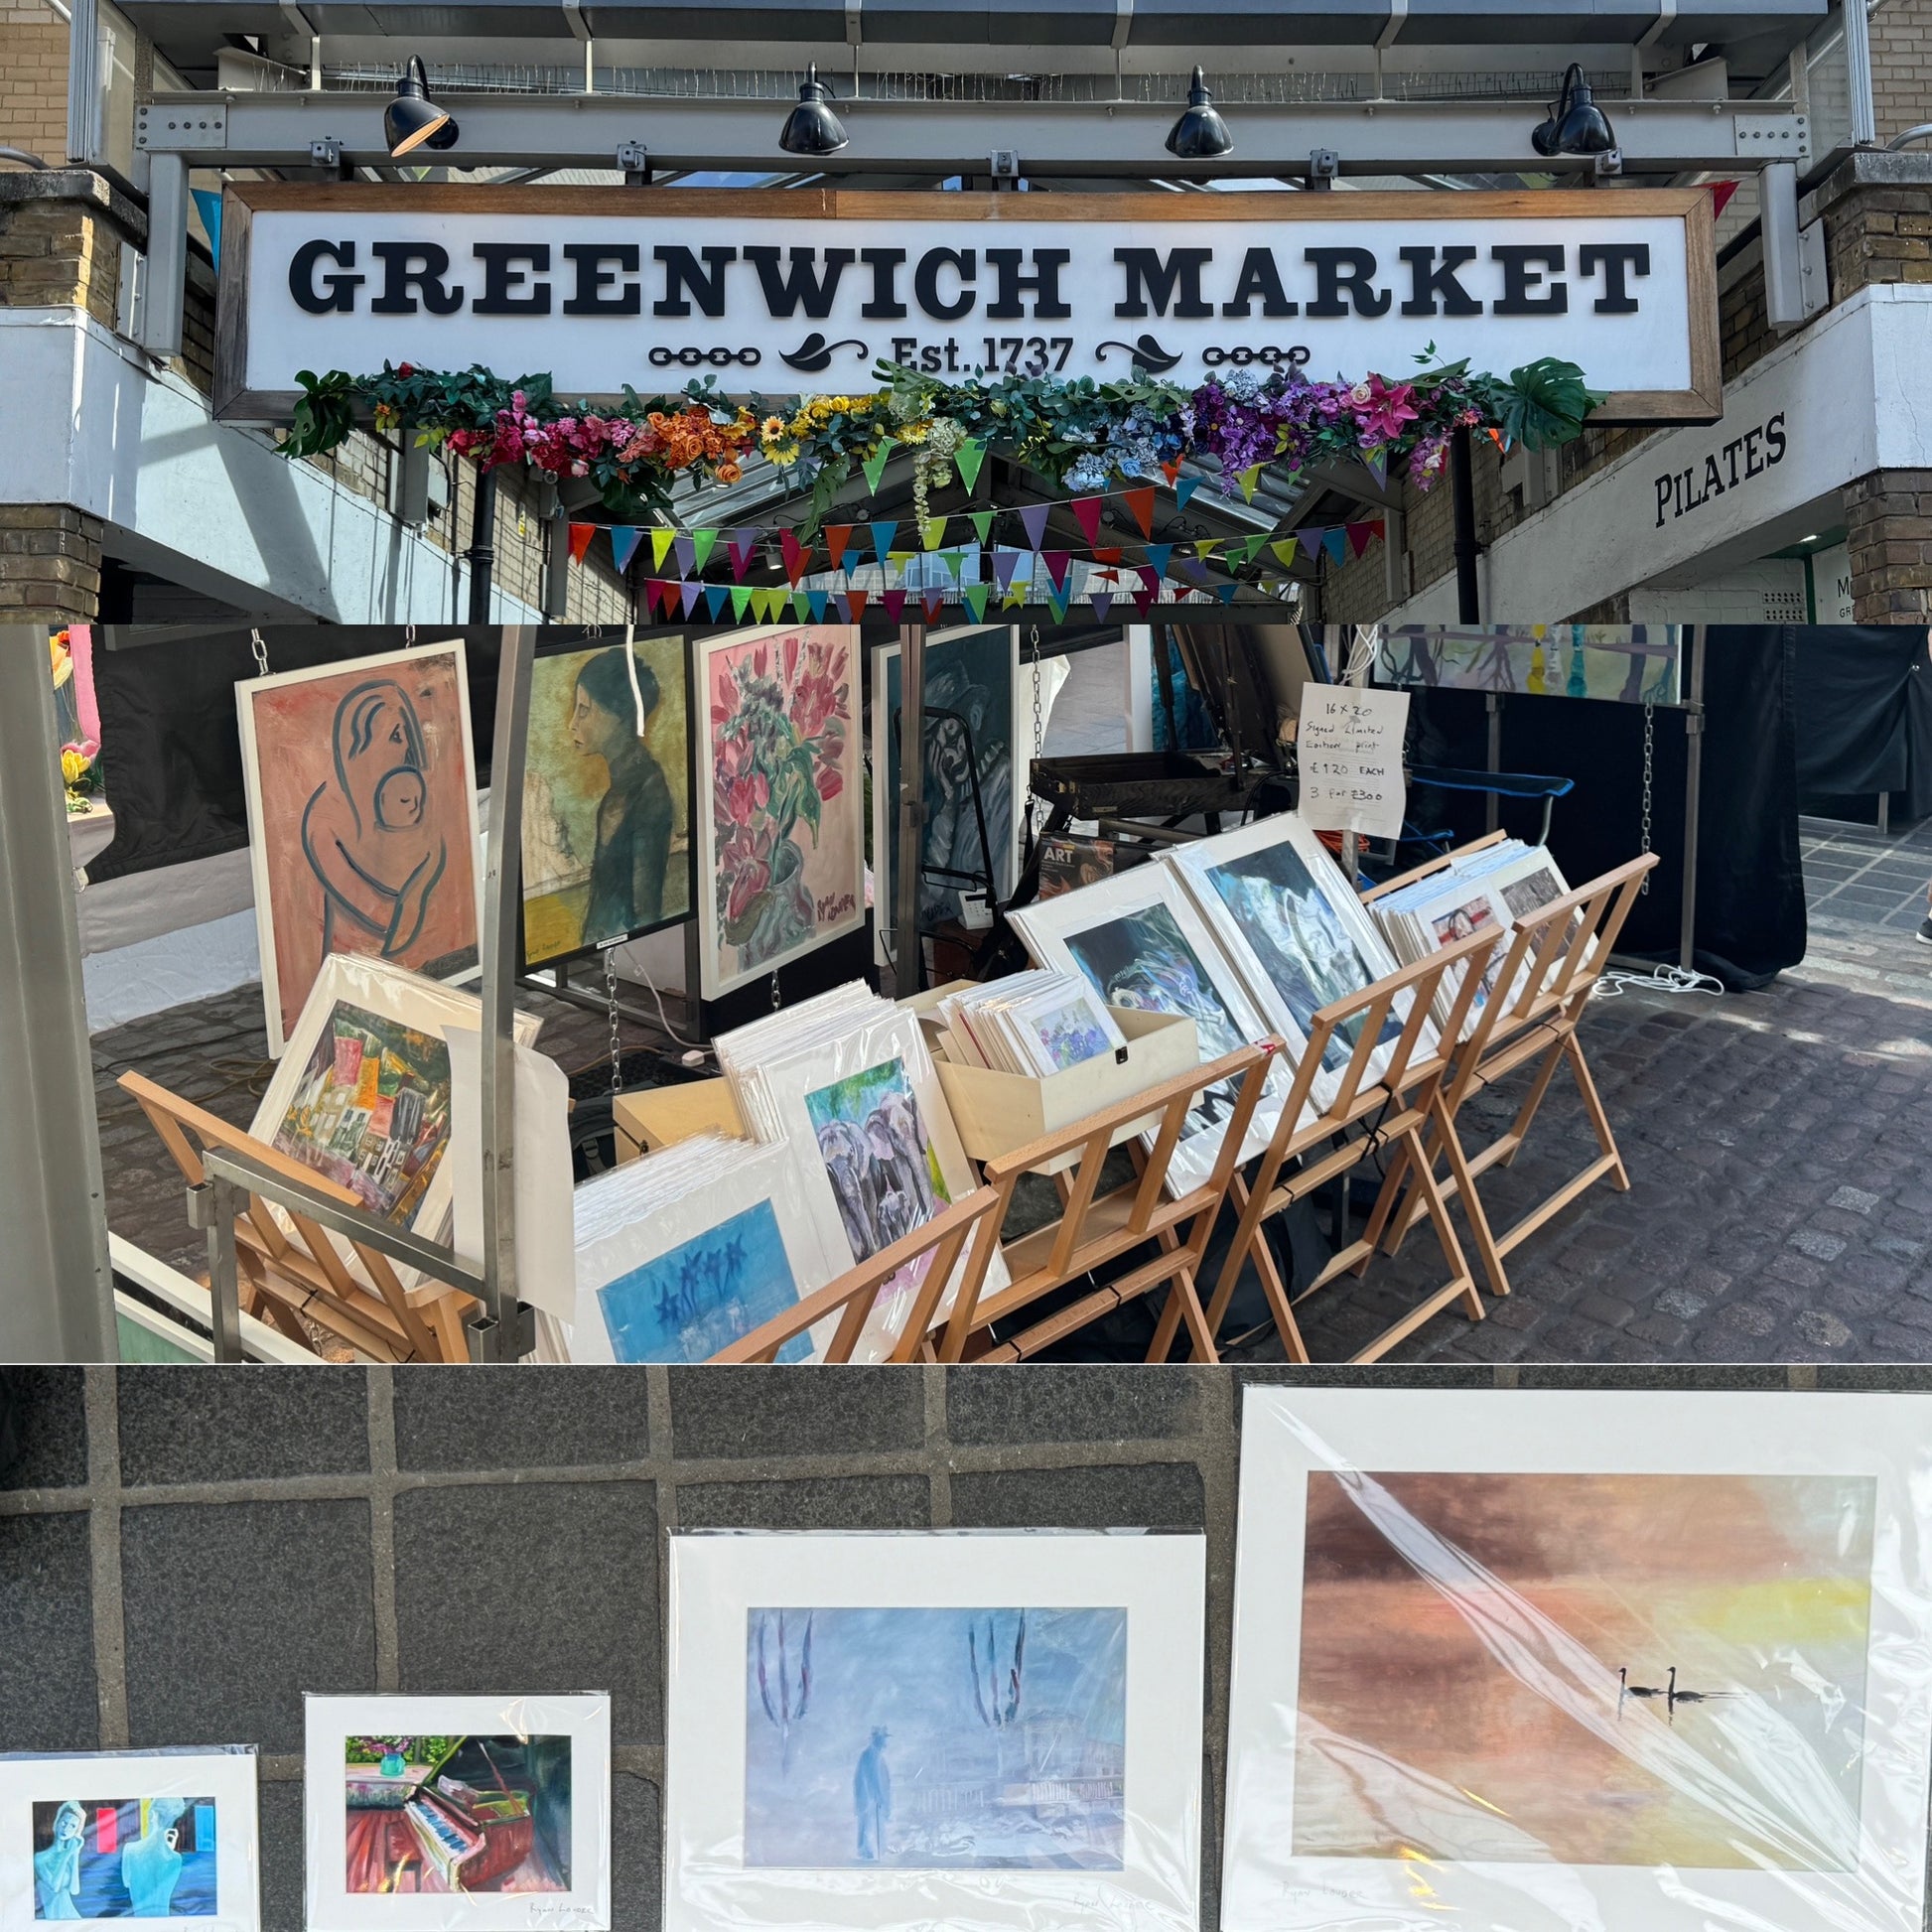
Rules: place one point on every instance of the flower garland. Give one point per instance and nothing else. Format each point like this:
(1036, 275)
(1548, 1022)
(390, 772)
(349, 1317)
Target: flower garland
(1083, 433)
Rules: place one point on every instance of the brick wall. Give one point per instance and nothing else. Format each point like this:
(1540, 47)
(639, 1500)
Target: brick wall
(61, 239)
(185, 1551)
(34, 79)
(1901, 66)
(50, 564)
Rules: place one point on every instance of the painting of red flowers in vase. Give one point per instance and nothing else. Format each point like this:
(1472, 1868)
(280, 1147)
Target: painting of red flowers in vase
(786, 853)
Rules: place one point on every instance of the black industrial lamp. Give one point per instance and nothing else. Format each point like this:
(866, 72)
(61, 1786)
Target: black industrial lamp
(1201, 135)
(1576, 125)
(811, 127)
(412, 120)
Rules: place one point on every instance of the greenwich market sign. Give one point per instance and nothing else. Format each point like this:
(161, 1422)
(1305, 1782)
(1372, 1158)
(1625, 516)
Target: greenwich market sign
(806, 291)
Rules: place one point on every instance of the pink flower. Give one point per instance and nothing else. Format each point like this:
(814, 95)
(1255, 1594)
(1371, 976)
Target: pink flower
(1383, 411)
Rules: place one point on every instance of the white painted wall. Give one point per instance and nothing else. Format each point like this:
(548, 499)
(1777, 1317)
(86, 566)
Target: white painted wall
(86, 420)
(1851, 393)
(1769, 592)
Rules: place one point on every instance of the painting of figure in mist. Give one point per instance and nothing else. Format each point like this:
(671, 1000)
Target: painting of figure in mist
(1590, 1670)
(935, 1738)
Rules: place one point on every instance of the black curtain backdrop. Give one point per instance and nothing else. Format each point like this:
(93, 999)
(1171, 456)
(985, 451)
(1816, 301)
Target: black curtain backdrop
(1751, 904)
(1864, 693)
(173, 748)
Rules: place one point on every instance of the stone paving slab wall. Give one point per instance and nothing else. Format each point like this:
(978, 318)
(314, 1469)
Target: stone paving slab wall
(185, 1551)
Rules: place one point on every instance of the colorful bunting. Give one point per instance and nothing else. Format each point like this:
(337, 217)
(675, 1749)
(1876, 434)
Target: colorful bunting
(932, 531)
(967, 459)
(1285, 551)
(624, 539)
(1183, 489)
(1056, 566)
(1336, 542)
(1103, 602)
(580, 540)
(1361, 535)
(975, 596)
(894, 603)
(687, 556)
(1032, 518)
(660, 545)
(1087, 510)
(717, 595)
(882, 539)
(1158, 554)
(1250, 477)
(740, 597)
(1005, 562)
(702, 544)
(1140, 504)
(873, 464)
(982, 522)
(837, 537)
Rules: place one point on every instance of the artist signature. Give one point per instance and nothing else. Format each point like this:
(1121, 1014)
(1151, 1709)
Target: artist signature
(835, 905)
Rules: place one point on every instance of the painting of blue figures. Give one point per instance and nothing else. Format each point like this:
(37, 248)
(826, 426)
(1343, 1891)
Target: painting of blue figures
(705, 1294)
(125, 1858)
(1071, 1034)
(935, 1738)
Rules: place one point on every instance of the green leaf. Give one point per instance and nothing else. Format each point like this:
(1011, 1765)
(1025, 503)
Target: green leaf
(1545, 403)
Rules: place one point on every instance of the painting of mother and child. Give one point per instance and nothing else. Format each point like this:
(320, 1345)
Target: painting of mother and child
(457, 1813)
(125, 1858)
(958, 1739)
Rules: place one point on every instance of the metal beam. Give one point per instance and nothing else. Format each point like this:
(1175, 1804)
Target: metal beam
(56, 1288)
(936, 138)
(167, 279)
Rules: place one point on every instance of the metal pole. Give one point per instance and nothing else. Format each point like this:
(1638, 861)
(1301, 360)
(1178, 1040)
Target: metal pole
(57, 1300)
(1858, 73)
(166, 287)
(499, 1333)
(1693, 784)
(224, 1273)
(483, 549)
(1463, 496)
(1493, 757)
(908, 960)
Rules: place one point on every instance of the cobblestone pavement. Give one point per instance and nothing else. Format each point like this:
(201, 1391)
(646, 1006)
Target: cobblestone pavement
(1781, 1205)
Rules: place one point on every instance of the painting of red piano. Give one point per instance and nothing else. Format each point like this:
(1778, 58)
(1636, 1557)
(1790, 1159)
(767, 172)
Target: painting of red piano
(457, 1813)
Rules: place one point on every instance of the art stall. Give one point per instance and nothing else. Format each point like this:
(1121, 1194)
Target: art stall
(1662, 1664)
(579, 1041)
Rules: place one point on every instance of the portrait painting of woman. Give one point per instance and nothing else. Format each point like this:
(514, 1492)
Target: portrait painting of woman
(606, 850)
(363, 818)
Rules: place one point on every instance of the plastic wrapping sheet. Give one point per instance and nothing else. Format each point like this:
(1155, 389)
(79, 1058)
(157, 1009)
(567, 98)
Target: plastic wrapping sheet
(877, 1146)
(480, 1814)
(934, 1732)
(682, 1252)
(1580, 1662)
(153, 1834)
(1140, 941)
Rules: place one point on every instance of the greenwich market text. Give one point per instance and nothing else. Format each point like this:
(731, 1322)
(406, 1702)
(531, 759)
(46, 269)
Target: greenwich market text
(947, 285)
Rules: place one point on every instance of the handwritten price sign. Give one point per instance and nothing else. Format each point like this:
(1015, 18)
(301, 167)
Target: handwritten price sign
(1351, 750)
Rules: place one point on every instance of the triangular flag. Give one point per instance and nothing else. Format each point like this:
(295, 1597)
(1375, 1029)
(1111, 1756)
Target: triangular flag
(1005, 562)
(1032, 518)
(691, 587)
(1377, 463)
(1226, 592)
(1336, 542)
(801, 605)
(953, 560)
(1057, 603)
(1141, 504)
(1016, 596)
(855, 605)
(741, 544)
(702, 543)
(624, 539)
(1359, 536)
(740, 596)
(661, 543)
(1088, 509)
(882, 539)
(875, 465)
(668, 595)
(687, 555)
(761, 604)
(1192, 569)
(717, 595)
(798, 557)
(1183, 489)
(1157, 554)
(1103, 602)
(1109, 555)
(837, 537)
(982, 522)
(817, 599)
(1250, 477)
(975, 596)
(894, 603)
(1056, 563)
(1285, 551)
(1170, 470)
(934, 601)
(580, 540)
(1149, 591)
(1206, 548)
(932, 531)
(967, 459)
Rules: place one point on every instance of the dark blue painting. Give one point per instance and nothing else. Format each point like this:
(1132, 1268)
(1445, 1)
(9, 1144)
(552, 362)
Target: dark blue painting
(935, 1738)
(705, 1294)
(125, 1858)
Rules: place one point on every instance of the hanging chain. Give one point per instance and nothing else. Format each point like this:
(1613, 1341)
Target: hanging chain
(261, 652)
(611, 1001)
(1649, 753)
(777, 999)
(409, 638)
(1033, 819)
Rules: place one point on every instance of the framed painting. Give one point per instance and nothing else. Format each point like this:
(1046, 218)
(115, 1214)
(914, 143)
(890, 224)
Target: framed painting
(1632, 663)
(1138, 940)
(478, 1814)
(1579, 1658)
(607, 852)
(362, 825)
(1297, 935)
(781, 826)
(973, 676)
(131, 1834)
(899, 1731)
(364, 1093)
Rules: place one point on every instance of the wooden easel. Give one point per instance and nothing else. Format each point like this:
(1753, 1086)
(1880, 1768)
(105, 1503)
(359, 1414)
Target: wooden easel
(284, 1277)
(1095, 1229)
(1366, 1114)
(1554, 962)
(855, 1292)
